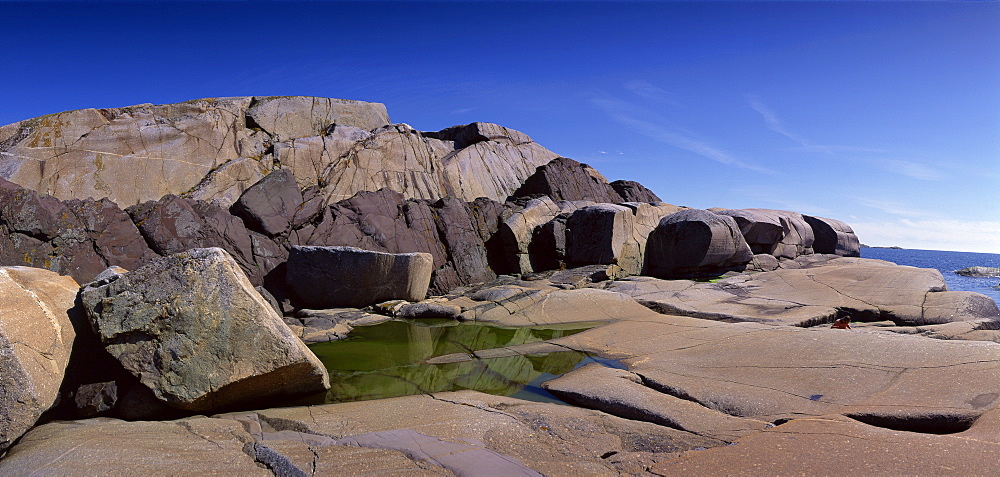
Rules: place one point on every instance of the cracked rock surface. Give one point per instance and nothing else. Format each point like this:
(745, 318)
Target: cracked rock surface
(213, 149)
(460, 433)
(36, 337)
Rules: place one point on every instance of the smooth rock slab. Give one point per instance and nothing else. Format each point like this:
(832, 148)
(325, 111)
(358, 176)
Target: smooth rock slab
(327, 277)
(623, 394)
(36, 337)
(766, 372)
(112, 447)
(866, 290)
(192, 328)
(836, 445)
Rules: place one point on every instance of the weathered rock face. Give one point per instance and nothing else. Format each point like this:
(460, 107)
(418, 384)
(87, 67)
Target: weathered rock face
(566, 179)
(833, 237)
(325, 277)
(695, 242)
(598, 234)
(614, 234)
(194, 331)
(781, 233)
(76, 238)
(36, 337)
(214, 149)
(521, 247)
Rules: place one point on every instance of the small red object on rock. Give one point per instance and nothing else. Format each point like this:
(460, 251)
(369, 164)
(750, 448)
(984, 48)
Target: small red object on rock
(842, 324)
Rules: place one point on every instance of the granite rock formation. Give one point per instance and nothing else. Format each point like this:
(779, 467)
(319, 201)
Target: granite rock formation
(214, 149)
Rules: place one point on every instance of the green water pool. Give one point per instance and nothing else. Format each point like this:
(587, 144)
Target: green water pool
(390, 359)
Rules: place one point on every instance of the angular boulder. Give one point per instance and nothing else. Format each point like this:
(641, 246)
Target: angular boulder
(36, 338)
(192, 328)
(833, 237)
(327, 277)
(270, 205)
(695, 242)
(614, 234)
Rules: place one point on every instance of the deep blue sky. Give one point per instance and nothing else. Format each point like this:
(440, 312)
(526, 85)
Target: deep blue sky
(884, 115)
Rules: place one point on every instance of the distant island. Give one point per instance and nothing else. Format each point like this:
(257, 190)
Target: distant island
(894, 247)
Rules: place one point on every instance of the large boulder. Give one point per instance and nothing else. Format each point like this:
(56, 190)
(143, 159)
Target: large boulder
(566, 179)
(192, 328)
(695, 242)
(598, 234)
(833, 237)
(429, 166)
(36, 338)
(781, 233)
(327, 277)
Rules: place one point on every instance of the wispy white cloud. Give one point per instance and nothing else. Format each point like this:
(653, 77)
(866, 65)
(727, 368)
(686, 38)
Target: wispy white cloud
(775, 124)
(937, 234)
(647, 90)
(914, 170)
(629, 115)
(894, 208)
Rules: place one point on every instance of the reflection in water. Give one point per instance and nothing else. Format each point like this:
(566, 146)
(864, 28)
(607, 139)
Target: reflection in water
(388, 360)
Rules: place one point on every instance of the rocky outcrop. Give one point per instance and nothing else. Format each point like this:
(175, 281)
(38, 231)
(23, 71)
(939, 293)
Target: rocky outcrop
(632, 191)
(780, 233)
(191, 327)
(270, 205)
(566, 179)
(79, 238)
(695, 242)
(36, 337)
(325, 277)
(214, 149)
(833, 237)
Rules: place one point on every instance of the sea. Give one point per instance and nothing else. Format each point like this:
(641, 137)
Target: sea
(947, 263)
